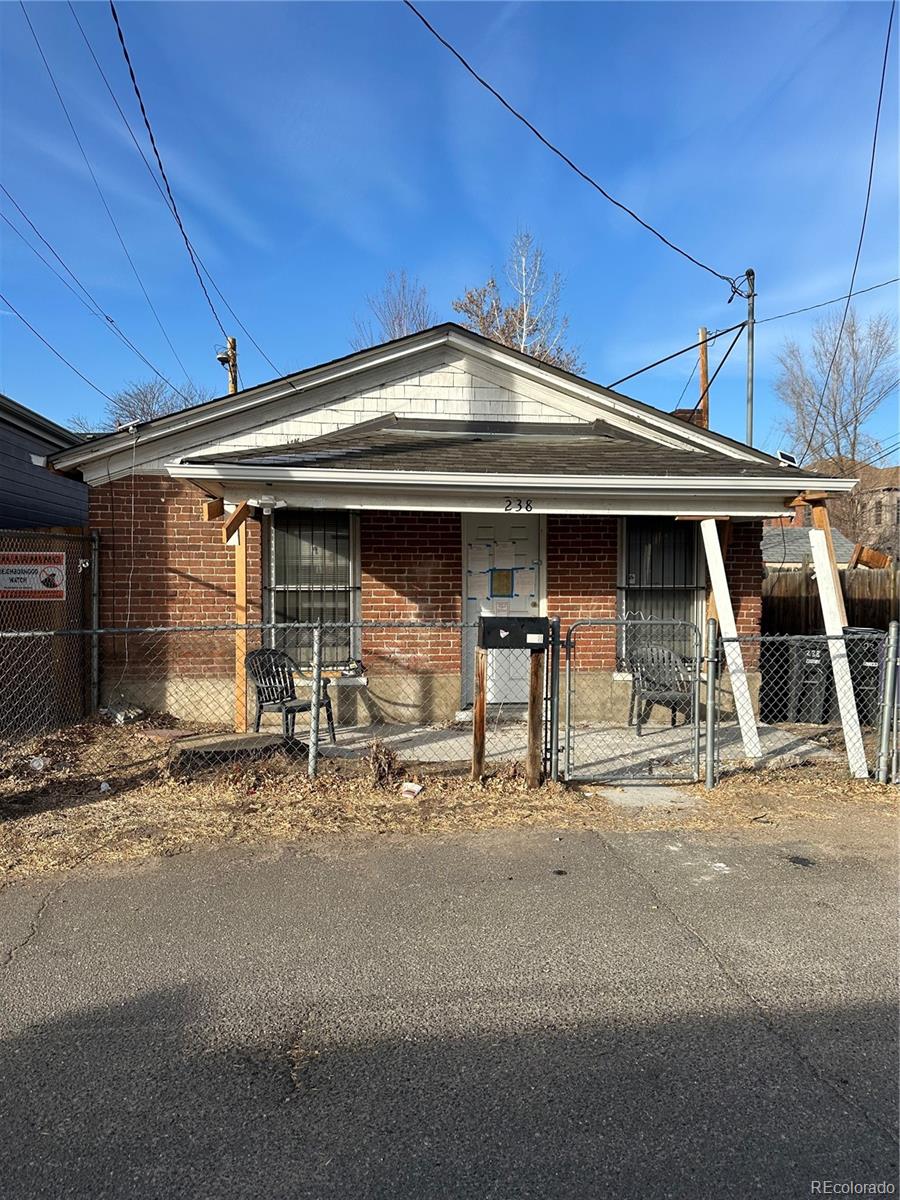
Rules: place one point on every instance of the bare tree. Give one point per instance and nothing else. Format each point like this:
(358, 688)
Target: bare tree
(830, 431)
(400, 308)
(528, 318)
(143, 400)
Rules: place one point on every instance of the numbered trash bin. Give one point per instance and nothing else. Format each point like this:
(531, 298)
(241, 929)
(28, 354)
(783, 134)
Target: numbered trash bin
(810, 699)
(865, 654)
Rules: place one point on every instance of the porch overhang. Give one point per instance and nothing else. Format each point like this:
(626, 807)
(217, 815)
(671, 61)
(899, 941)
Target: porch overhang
(431, 491)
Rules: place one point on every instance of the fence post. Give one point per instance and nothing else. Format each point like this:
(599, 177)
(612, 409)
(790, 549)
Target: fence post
(712, 662)
(535, 690)
(479, 714)
(554, 699)
(95, 620)
(888, 700)
(313, 757)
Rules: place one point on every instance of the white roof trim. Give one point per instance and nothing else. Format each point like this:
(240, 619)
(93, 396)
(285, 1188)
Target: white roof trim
(607, 483)
(554, 387)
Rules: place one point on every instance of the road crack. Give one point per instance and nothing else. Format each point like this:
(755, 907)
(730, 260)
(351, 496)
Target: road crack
(740, 985)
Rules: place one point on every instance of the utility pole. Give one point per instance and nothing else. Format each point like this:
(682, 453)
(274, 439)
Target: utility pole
(704, 376)
(228, 359)
(751, 320)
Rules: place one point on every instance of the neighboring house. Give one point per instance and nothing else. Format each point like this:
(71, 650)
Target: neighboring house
(433, 478)
(879, 494)
(31, 496)
(786, 547)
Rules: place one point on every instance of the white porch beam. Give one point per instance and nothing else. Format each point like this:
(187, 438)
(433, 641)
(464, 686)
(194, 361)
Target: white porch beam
(740, 689)
(837, 648)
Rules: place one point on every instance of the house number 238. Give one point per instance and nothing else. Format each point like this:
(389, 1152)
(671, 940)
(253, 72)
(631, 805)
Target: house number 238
(517, 504)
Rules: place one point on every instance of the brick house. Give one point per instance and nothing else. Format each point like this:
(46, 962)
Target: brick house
(433, 478)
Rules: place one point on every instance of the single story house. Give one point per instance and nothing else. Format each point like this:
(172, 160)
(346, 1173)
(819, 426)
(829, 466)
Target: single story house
(429, 479)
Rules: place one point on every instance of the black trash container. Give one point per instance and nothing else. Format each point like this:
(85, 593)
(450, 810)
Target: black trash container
(865, 654)
(810, 682)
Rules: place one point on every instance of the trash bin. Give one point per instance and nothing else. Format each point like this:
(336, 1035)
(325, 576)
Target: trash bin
(865, 654)
(810, 682)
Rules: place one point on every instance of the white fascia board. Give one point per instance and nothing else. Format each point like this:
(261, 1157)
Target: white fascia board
(605, 401)
(231, 406)
(405, 479)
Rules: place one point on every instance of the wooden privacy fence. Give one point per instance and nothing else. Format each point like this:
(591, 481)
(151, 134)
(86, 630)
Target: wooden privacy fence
(790, 599)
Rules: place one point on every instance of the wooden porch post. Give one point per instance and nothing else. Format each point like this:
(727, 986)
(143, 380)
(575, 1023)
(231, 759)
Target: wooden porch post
(235, 526)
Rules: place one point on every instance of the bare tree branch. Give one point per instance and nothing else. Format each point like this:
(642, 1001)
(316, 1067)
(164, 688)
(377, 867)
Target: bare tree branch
(530, 320)
(143, 400)
(400, 308)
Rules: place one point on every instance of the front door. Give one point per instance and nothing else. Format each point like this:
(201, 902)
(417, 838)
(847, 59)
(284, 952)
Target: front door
(504, 577)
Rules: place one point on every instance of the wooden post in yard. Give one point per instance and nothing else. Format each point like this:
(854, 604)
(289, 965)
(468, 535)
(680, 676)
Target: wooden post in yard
(534, 755)
(235, 526)
(704, 377)
(479, 714)
(821, 520)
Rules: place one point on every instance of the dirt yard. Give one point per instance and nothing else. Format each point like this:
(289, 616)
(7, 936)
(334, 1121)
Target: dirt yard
(104, 794)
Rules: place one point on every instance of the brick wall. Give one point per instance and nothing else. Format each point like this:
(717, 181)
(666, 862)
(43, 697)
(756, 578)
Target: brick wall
(411, 571)
(581, 582)
(744, 569)
(162, 564)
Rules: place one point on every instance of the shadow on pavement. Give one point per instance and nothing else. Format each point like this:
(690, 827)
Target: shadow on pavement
(129, 1101)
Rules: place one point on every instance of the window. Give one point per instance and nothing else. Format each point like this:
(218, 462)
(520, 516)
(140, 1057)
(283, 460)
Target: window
(661, 575)
(878, 513)
(313, 575)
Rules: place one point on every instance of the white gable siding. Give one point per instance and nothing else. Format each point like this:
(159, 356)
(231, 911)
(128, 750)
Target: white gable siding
(449, 391)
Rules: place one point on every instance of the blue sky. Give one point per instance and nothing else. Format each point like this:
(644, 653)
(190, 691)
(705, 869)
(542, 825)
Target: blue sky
(313, 147)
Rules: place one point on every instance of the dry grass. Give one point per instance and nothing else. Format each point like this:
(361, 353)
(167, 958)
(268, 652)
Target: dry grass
(59, 818)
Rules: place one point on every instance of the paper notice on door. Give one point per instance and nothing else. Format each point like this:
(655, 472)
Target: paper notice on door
(501, 608)
(526, 582)
(479, 587)
(504, 555)
(479, 557)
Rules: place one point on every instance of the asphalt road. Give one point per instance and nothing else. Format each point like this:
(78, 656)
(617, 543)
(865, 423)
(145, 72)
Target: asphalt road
(502, 1015)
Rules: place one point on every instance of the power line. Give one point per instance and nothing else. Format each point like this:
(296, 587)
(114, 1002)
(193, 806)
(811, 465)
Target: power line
(90, 304)
(162, 170)
(862, 233)
(53, 349)
(732, 282)
(711, 338)
(825, 303)
(100, 192)
(165, 198)
(712, 380)
(688, 384)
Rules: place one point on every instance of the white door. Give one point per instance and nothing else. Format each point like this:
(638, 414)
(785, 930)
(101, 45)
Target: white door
(504, 577)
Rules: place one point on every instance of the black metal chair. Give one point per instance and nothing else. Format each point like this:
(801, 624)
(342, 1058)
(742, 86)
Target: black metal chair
(272, 672)
(658, 676)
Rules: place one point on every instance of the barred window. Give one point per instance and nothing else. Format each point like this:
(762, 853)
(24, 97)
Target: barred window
(661, 574)
(313, 575)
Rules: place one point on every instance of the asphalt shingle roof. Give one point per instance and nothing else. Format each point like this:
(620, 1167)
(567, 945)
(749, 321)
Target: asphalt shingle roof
(407, 444)
(793, 546)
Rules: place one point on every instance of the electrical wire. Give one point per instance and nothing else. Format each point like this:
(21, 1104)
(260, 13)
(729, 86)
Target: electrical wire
(825, 303)
(862, 233)
(87, 163)
(732, 282)
(694, 345)
(165, 198)
(52, 348)
(90, 304)
(162, 169)
(688, 384)
(712, 379)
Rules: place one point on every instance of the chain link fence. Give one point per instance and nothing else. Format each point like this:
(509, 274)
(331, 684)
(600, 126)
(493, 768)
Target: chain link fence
(801, 699)
(194, 697)
(111, 704)
(634, 701)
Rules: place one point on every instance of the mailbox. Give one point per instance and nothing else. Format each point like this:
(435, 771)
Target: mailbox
(514, 633)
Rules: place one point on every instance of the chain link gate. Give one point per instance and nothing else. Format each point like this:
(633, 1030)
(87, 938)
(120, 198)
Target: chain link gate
(632, 701)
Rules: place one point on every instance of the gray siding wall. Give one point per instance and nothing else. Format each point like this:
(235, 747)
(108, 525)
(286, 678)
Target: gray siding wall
(32, 496)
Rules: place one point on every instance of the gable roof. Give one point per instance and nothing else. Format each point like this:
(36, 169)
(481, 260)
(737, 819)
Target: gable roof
(790, 544)
(396, 356)
(393, 443)
(32, 422)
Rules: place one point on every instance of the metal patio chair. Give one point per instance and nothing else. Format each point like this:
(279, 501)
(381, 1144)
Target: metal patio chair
(658, 676)
(272, 672)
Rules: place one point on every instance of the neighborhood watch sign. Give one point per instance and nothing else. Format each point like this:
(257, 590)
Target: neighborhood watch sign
(31, 575)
